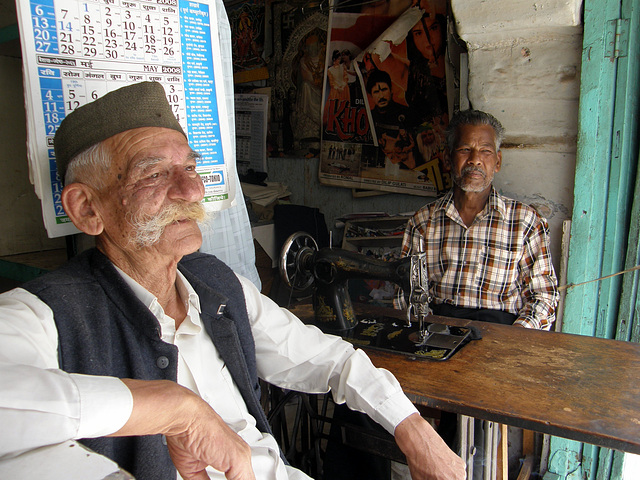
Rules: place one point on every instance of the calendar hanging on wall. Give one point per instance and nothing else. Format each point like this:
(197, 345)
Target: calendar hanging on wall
(75, 51)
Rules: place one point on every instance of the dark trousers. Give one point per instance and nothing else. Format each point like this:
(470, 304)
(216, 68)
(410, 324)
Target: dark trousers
(480, 314)
(343, 462)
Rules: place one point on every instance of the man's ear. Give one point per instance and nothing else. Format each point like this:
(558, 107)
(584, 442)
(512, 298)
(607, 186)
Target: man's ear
(499, 161)
(78, 201)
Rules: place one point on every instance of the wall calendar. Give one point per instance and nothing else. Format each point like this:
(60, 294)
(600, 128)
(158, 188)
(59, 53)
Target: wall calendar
(75, 51)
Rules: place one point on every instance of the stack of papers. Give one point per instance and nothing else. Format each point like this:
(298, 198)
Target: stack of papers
(265, 195)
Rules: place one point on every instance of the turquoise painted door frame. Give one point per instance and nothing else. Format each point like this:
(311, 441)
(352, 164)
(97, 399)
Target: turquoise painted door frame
(604, 230)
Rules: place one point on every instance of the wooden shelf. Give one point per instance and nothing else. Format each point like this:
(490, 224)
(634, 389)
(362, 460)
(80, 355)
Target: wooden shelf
(387, 241)
(374, 232)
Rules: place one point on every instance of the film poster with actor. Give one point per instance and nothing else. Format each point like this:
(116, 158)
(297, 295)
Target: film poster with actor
(384, 104)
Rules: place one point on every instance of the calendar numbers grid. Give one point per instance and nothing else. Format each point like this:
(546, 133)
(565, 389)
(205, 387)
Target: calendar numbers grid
(86, 48)
(83, 49)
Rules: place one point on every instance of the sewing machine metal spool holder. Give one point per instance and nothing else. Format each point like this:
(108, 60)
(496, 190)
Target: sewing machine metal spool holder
(302, 264)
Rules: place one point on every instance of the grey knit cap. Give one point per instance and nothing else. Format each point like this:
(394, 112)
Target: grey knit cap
(139, 105)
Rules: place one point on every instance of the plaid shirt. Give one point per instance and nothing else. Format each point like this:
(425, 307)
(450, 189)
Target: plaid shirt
(502, 261)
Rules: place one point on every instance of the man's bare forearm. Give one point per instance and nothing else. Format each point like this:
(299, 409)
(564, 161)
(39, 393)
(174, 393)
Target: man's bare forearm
(159, 407)
(197, 436)
(428, 456)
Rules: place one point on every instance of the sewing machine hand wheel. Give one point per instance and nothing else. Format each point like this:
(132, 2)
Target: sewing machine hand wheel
(295, 270)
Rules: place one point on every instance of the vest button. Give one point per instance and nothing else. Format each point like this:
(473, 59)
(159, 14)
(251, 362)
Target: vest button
(162, 362)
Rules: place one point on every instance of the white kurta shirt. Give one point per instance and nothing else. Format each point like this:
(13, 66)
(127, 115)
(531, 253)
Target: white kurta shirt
(42, 405)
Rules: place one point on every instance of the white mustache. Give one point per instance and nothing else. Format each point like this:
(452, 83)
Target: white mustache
(148, 228)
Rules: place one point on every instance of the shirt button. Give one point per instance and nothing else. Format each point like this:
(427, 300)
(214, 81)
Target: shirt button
(162, 362)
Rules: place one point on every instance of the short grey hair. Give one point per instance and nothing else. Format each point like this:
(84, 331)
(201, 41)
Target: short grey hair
(90, 166)
(473, 117)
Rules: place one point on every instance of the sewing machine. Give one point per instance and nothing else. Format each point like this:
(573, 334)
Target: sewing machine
(302, 265)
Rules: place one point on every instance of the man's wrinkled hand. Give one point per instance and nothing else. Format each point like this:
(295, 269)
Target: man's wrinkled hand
(196, 435)
(428, 456)
(209, 441)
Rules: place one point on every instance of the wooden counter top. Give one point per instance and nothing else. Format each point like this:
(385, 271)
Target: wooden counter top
(582, 388)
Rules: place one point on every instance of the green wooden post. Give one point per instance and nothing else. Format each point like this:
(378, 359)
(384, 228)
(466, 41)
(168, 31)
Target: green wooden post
(624, 156)
(597, 93)
(627, 326)
(629, 314)
(605, 223)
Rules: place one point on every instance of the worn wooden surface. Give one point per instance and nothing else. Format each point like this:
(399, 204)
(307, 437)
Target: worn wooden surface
(572, 386)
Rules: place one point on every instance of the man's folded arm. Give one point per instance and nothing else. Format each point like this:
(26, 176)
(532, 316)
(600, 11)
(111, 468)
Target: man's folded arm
(539, 281)
(196, 435)
(41, 405)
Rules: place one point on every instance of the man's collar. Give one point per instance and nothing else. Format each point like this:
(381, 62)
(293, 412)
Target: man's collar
(445, 202)
(494, 202)
(185, 290)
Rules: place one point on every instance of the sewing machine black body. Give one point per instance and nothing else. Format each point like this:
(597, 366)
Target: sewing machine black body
(332, 268)
(302, 264)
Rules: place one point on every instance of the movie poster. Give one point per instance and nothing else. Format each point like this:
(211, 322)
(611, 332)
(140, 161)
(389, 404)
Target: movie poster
(385, 109)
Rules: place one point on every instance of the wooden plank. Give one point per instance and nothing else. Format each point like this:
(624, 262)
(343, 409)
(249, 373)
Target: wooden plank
(527, 442)
(490, 450)
(503, 452)
(466, 434)
(526, 469)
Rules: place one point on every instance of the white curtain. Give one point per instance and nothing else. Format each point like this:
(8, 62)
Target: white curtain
(227, 233)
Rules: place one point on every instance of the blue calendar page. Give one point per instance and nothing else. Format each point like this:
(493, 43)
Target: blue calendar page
(75, 51)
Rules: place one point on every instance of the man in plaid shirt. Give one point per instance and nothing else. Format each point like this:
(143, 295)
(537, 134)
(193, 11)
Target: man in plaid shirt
(488, 256)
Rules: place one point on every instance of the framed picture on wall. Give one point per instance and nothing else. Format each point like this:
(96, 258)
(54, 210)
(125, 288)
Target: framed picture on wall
(298, 80)
(248, 26)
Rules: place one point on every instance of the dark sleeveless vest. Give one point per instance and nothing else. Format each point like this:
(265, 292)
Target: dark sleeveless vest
(104, 329)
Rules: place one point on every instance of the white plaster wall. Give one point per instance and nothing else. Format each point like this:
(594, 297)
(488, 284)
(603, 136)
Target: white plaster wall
(524, 68)
(490, 17)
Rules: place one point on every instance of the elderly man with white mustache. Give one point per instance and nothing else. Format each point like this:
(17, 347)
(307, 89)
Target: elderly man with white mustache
(150, 353)
(488, 255)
